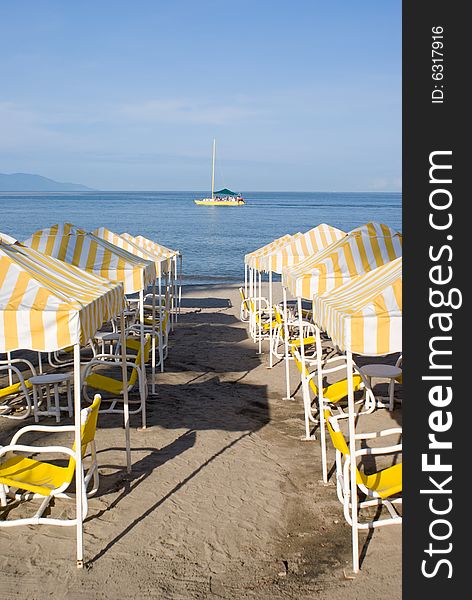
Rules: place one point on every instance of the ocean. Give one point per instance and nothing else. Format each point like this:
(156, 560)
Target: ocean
(213, 240)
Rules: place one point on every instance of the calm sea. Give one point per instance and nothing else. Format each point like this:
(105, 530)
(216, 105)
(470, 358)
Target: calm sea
(213, 240)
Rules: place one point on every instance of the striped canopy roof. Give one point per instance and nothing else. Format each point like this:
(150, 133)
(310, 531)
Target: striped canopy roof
(95, 255)
(161, 263)
(365, 315)
(301, 248)
(150, 246)
(46, 304)
(255, 259)
(360, 251)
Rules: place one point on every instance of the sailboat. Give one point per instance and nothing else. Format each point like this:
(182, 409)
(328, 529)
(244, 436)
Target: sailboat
(224, 197)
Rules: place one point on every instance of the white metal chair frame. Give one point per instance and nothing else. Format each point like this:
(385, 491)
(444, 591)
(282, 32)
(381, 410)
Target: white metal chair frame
(10, 367)
(91, 474)
(343, 477)
(141, 382)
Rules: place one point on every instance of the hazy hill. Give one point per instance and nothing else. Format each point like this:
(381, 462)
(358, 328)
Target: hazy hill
(25, 182)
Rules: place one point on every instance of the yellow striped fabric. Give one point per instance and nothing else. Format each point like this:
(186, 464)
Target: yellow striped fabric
(161, 263)
(95, 255)
(360, 251)
(150, 246)
(301, 248)
(365, 315)
(263, 250)
(256, 259)
(47, 304)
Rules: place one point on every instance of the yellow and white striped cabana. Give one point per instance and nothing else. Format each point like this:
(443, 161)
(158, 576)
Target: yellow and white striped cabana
(302, 247)
(95, 255)
(365, 315)
(254, 260)
(46, 305)
(150, 246)
(127, 243)
(361, 250)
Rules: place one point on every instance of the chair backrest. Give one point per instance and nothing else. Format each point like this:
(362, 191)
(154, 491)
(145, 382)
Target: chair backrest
(147, 348)
(88, 419)
(298, 361)
(339, 441)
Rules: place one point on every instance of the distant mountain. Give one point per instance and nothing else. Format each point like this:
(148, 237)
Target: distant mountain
(25, 182)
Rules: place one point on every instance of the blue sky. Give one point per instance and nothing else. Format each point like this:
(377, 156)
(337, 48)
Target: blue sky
(300, 95)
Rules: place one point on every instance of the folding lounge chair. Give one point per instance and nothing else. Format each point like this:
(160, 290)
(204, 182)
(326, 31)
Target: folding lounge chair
(40, 479)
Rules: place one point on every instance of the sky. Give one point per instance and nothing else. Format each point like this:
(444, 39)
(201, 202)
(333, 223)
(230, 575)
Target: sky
(119, 95)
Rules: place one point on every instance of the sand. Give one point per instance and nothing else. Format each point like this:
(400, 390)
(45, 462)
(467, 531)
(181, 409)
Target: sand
(224, 501)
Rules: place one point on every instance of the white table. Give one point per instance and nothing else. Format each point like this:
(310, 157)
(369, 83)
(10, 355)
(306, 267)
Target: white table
(50, 383)
(379, 371)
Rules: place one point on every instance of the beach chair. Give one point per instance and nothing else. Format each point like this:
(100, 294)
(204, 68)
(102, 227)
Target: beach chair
(114, 385)
(16, 392)
(380, 488)
(244, 313)
(41, 479)
(309, 335)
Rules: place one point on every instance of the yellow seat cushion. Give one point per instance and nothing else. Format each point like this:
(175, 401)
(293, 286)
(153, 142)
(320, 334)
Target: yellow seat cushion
(306, 341)
(108, 384)
(385, 483)
(33, 475)
(13, 389)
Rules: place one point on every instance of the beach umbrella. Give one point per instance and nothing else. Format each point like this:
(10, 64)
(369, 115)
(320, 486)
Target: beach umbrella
(48, 305)
(76, 246)
(363, 317)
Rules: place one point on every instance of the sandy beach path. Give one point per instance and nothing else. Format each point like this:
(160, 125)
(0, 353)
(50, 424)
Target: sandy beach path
(224, 500)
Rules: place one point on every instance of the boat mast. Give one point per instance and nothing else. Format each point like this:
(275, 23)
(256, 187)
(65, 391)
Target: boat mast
(213, 170)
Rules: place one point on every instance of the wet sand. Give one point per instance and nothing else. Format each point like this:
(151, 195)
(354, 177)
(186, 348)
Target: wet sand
(224, 501)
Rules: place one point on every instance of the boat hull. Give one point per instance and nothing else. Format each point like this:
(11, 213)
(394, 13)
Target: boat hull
(220, 202)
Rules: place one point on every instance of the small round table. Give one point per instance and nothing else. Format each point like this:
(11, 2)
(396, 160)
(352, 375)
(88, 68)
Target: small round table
(380, 371)
(109, 337)
(46, 381)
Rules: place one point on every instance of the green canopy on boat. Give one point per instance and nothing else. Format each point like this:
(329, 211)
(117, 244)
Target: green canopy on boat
(225, 192)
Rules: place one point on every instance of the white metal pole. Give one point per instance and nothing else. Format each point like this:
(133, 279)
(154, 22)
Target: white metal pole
(352, 458)
(10, 373)
(143, 365)
(319, 368)
(286, 350)
(245, 280)
(124, 373)
(78, 458)
(260, 313)
(161, 331)
(153, 355)
(270, 321)
(305, 390)
(180, 280)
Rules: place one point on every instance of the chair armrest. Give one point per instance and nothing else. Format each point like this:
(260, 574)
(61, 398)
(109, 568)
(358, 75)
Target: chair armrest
(45, 428)
(20, 360)
(377, 434)
(380, 450)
